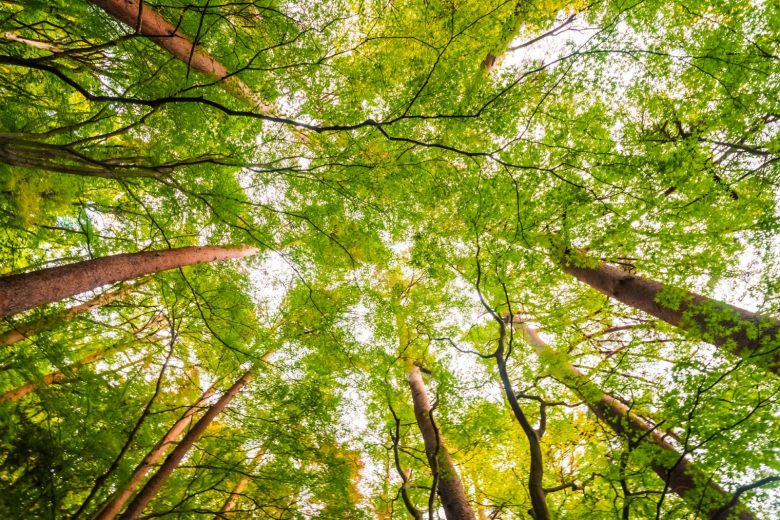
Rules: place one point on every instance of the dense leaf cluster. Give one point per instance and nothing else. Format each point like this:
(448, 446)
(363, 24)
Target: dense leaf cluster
(413, 173)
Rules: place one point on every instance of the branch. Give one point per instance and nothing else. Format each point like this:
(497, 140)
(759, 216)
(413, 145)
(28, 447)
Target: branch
(723, 512)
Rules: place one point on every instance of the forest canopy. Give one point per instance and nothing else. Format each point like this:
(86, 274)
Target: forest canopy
(459, 259)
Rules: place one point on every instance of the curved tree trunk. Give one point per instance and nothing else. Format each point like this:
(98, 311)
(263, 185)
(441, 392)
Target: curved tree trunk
(536, 470)
(739, 331)
(114, 505)
(450, 488)
(21, 292)
(142, 18)
(683, 478)
(26, 330)
(153, 485)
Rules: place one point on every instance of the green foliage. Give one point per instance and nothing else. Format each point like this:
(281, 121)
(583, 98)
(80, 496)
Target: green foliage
(396, 191)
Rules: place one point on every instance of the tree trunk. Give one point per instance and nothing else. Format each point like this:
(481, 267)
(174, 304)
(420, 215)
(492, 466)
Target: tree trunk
(114, 505)
(54, 377)
(149, 491)
(684, 478)
(238, 489)
(142, 18)
(26, 330)
(21, 292)
(450, 488)
(739, 331)
(536, 470)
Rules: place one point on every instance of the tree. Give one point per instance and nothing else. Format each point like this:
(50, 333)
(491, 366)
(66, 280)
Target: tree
(57, 376)
(21, 292)
(146, 21)
(22, 331)
(677, 472)
(739, 331)
(405, 168)
(238, 489)
(448, 484)
(153, 485)
(116, 503)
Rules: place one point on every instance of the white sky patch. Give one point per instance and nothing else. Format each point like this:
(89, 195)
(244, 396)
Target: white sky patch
(270, 280)
(574, 34)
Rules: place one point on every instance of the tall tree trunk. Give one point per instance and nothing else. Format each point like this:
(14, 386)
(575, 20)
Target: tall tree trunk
(238, 489)
(684, 478)
(739, 331)
(141, 17)
(153, 485)
(58, 375)
(450, 488)
(21, 292)
(117, 501)
(25, 330)
(49, 379)
(536, 470)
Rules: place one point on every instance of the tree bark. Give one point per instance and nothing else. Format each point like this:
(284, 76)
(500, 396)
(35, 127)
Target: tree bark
(450, 487)
(117, 501)
(21, 292)
(536, 470)
(684, 478)
(58, 375)
(143, 19)
(153, 485)
(739, 331)
(23, 331)
(238, 489)
(62, 158)
(49, 379)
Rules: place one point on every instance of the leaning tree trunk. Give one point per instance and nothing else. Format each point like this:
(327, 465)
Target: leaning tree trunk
(114, 505)
(450, 488)
(149, 491)
(238, 489)
(739, 331)
(58, 375)
(25, 330)
(49, 379)
(683, 477)
(144, 19)
(21, 292)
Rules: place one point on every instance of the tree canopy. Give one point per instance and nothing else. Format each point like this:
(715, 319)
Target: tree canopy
(507, 259)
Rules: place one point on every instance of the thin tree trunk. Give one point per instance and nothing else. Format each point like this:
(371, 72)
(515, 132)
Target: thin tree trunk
(684, 478)
(143, 19)
(450, 488)
(739, 331)
(238, 489)
(49, 379)
(21, 292)
(153, 485)
(58, 375)
(25, 330)
(482, 511)
(117, 501)
(536, 470)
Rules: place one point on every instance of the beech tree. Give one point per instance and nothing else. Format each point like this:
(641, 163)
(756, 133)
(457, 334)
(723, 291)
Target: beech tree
(740, 331)
(21, 292)
(116, 503)
(150, 489)
(448, 484)
(398, 180)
